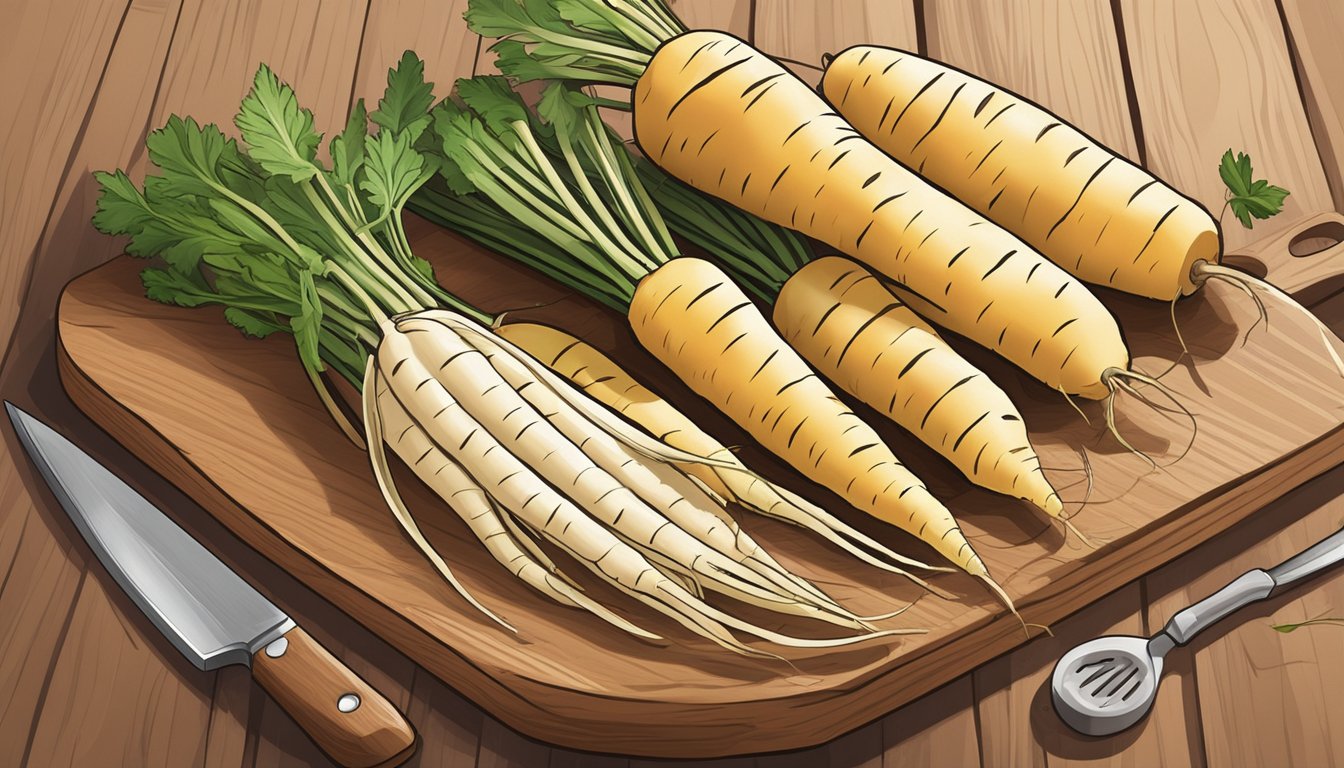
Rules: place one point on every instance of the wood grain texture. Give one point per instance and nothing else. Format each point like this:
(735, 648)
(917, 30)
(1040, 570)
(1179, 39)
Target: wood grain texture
(1063, 56)
(112, 679)
(939, 728)
(556, 683)
(805, 29)
(1313, 27)
(435, 30)
(1249, 675)
(1214, 75)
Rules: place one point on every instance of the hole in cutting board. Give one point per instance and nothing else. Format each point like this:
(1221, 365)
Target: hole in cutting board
(1314, 240)
(1248, 264)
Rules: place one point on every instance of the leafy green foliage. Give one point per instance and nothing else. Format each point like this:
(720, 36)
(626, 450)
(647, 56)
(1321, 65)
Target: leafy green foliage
(279, 133)
(347, 147)
(405, 105)
(1328, 621)
(1246, 197)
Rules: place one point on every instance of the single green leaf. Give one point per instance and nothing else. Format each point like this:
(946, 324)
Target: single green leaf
(586, 15)
(491, 97)
(405, 105)
(1249, 198)
(451, 128)
(122, 209)
(191, 155)
(252, 323)
(307, 324)
(347, 147)
(279, 133)
(393, 170)
(169, 287)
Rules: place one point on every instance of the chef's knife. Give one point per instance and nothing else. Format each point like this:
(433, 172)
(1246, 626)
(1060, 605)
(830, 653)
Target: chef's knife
(212, 615)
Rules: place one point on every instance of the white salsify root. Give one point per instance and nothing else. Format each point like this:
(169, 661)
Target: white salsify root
(1203, 271)
(541, 508)
(381, 472)
(685, 502)
(749, 489)
(594, 478)
(476, 509)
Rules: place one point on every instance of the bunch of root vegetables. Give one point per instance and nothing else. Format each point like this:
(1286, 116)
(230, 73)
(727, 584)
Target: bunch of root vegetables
(927, 180)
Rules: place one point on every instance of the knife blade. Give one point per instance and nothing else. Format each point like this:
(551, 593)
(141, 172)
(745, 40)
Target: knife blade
(208, 612)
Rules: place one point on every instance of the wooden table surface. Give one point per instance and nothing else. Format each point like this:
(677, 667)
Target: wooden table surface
(85, 680)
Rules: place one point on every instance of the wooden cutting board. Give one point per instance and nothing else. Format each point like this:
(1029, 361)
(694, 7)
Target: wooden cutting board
(234, 423)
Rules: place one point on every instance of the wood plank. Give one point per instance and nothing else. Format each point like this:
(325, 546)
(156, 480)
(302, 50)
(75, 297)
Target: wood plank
(63, 47)
(862, 748)
(434, 30)
(1065, 57)
(503, 747)
(227, 737)
(1265, 698)
(938, 729)
(120, 695)
(1313, 35)
(311, 44)
(1018, 725)
(803, 30)
(728, 15)
(1216, 74)
(449, 725)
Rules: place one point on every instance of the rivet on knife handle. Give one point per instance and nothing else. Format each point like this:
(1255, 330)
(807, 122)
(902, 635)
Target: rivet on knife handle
(352, 723)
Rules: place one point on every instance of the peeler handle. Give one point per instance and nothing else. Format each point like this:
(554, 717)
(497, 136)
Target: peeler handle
(1243, 590)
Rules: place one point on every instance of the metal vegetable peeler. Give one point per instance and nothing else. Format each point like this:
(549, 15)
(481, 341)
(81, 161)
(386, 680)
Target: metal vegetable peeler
(1108, 684)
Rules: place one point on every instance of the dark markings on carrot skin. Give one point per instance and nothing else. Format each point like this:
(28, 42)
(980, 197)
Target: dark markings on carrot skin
(837, 159)
(527, 384)
(996, 114)
(845, 97)
(1116, 270)
(696, 53)
(794, 433)
(863, 234)
(847, 137)
(768, 358)
(704, 293)
(423, 455)
(454, 357)
(574, 344)
(911, 222)
(682, 148)
(1099, 236)
(1046, 130)
(911, 364)
(894, 62)
(1063, 325)
(397, 367)
(794, 132)
(949, 391)
(926, 237)
(1002, 333)
(798, 380)
(975, 467)
(981, 106)
(947, 289)
(758, 97)
(924, 299)
(921, 91)
(722, 171)
(706, 80)
(885, 111)
(815, 154)
(996, 199)
(986, 157)
(651, 315)
(705, 143)
(423, 383)
(1077, 200)
(983, 311)
(759, 83)
(1072, 155)
(1000, 263)
(510, 413)
(1149, 241)
(1035, 347)
(725, 315)
(998, 176)
(780, 177)
(526, 427)
(861, 449)
(745, 182)
(871, 179)
(1061, 290)
(468, 438)
(1027, 207)
(593, 383)
(867, 79)
(957, 444)
(663, 152)
(1032, 271)
(778, 418)
(864, 57)
(939, 119)
(886, 200)
(866, 323)
(1066, 360)
(957, 255)
(1139, 191)
(842, 276)
(730, 50)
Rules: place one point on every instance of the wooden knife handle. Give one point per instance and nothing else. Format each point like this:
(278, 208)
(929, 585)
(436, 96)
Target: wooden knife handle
(351, 722)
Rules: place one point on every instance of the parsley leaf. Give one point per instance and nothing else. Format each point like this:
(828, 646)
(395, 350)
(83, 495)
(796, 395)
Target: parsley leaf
(347, 147)
(1247, 197)
(405, 105)
(279, 133)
